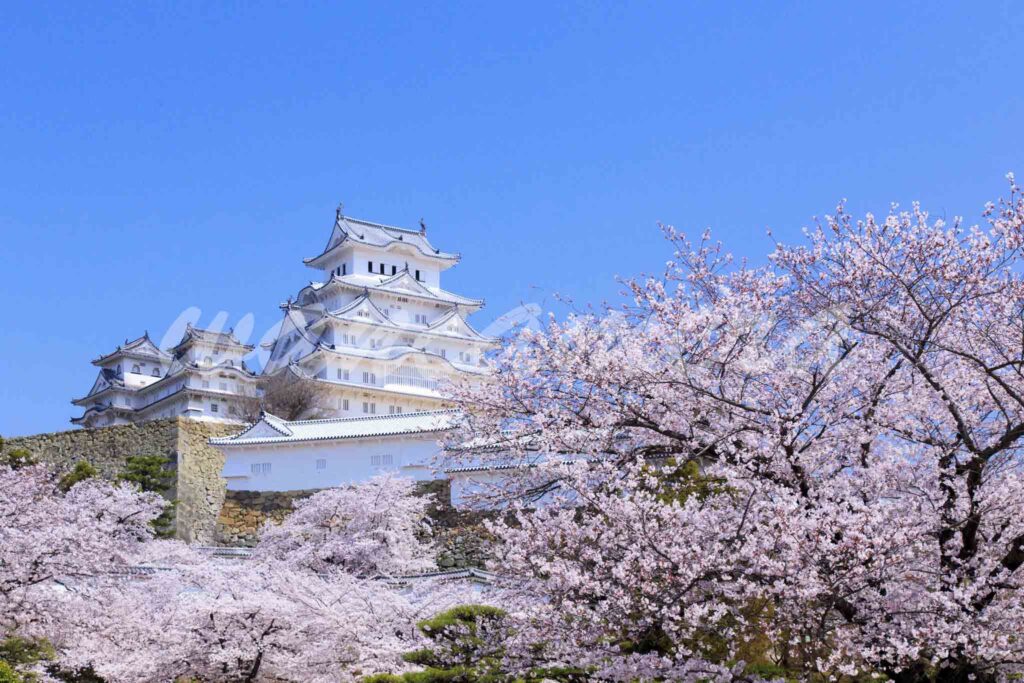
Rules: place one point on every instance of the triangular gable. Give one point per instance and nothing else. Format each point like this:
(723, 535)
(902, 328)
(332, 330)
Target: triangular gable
(362, 309)
(268, 426)
(338, 234)
(454, 319)
(405, 282)
(293, 322)
(145, 346)
(99, 385)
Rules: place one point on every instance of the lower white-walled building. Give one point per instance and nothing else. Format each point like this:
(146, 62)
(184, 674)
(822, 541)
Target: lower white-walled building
(278, 455)
(302, 455)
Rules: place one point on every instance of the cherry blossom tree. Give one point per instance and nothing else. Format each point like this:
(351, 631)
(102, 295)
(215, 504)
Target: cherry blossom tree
(814, 465)
(48, 535)
(244, 621)
(373, 528)
(316, 602)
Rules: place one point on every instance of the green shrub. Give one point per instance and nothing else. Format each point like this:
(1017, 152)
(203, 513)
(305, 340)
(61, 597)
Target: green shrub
(152, 474)
(8, 674)
(16, 458)
(83, 470)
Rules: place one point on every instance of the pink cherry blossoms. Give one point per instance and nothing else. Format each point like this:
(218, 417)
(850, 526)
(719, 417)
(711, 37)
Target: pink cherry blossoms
(813, 466)
(83, 571)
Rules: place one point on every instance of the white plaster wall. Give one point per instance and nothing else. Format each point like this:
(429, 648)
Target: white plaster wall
(294, 467)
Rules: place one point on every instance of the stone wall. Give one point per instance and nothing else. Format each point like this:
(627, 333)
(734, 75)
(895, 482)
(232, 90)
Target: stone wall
(460, 537)
(245, 512)
(199, 488)
(106, 449)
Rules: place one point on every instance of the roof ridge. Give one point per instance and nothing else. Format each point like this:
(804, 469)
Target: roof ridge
(435, 293)
(371, 418)
(375, 224)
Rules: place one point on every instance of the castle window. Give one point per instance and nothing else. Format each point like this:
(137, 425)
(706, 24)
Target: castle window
(375, 460)
(394, 270)
(321, 463)
(206, 384)
(344, 404)
(156, 372)
(369, 266)
(417, 275)
(214, 408)
(135, 369)
(382, 269)
(344, 267)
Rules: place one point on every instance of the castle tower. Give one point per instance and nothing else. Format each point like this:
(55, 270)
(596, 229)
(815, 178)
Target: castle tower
(377, 330)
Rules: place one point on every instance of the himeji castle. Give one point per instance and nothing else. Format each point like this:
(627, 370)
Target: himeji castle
(376, 328)
(375, 332)
(380, 335)
(203, 377)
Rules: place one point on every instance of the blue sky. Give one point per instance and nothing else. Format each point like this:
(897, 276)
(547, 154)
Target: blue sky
(160, 157)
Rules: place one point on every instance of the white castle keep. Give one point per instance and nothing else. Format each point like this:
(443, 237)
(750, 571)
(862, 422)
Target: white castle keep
(376, 333)
(377, 329)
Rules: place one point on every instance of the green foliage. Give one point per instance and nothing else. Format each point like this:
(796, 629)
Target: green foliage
(461, 652)
(17, 458)
(25, 651)
(681, 481)
(425, 676)
(83, 470)
(80, 676)
(8, 674)
(462, 615)
(152, 474)
(18, 655)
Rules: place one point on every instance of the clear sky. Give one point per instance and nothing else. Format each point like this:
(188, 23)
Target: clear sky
(157, 158)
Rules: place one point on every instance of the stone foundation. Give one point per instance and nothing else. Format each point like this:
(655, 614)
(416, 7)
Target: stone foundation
(461, 538)
(199, 487)
(245, 512)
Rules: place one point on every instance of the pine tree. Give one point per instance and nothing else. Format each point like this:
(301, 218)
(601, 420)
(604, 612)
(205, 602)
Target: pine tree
(152, 474)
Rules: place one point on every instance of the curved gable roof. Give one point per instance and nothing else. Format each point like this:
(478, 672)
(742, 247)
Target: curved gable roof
(464, 327)
(354, 230)
(388, 286)
(143, 347)
(194, 334)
